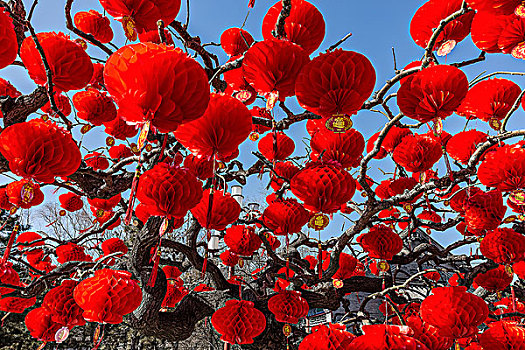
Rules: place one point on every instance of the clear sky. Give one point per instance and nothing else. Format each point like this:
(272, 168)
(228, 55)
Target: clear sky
(377, 26)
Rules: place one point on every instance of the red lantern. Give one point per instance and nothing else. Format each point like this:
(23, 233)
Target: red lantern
(70, 201)
(119, 152)
(105, 204)
(434, 92)
(334, 83)
(494, 280)
(112, 246)
(96, 160)
(276, 146)
(62, 103)
(169, 191)
(8, 275)
(201, 167)
(331, 336)
(238, 86)
(224, 211)
(150, 83)
(486, 29)
(283, 169)
(382, 336)
(238, 322)
(40, 324)
(228, 258)
(429, 16)
(288, 306)
(428, 334)
(503, 335)
(345, 148)
(70, 65)
(503, 246)
(8, 42)
(462, 145)
(381, 242)
(512, 36)
(108, 296)
(273, 66)
(242, 240)
(94, 106)
(138, 16)
(418, 153)
(16, 305)
(503, 7)
(153, 36)
(71, 252)
(504, 168)
(25, 240)
(235, 41)
(120, 129)
(39, 150)
(24, 194)
(304, 26)
(484, 211)
(490, 100)
(95, 24)
(223, 127)
(323, 187)
(64, 309)
(347, 266)
(454, 312)
(173, 295)
(285, 216)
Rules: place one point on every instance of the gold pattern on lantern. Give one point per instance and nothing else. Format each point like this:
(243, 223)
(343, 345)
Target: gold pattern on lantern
(339, 123)
(128, 24)
(318, 222)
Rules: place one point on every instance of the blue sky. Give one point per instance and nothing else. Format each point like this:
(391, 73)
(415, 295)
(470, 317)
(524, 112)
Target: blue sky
(377, 26)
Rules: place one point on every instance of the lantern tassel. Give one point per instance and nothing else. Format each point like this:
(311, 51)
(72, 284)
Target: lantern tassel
(320, 260)
(155, 269)
(204, 265)
(10, 244)
(131, 200)
(163, 147)
(97, 337)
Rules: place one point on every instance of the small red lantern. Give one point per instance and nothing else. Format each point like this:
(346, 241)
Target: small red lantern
(503, 335)
(242, 240)
(224, 210)
(383, 336)
(276, 146)
(235, 41)
(381, 242)
(288, 306)
(331, 336)
(238, 322)
(285, 216)
(8, 42)
(503, 246)
(94, 106)
(64, 309)
(95, 24)
(70, 201)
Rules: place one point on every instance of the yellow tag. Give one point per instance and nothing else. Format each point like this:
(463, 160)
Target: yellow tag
(27, 193)
(446, 48)
(254, 136)
(339, 123)
(287, 330)
(45, 117)
(61, 335)
(62, 212)
(149, 147)
(517, 197)
(438, 127)
(509, 219)
(520, 10)
(243, 95)
(134, 148)
(383, 266)
(110, 141)
(408, 207)
(494, 123)
(241, 262)
(337, 283)
(85, 129)
(82, 43)
(508, 270)
(318, 222)
(272, 100)
(13, 210)
(143, 134)
(99, 213)
(128, 24)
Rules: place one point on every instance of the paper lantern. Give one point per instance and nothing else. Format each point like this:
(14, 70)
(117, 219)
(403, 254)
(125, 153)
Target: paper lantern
(8, 275)
(70, 65)
(70, 201)
(71, 252)
(462, 145)
(16, 305)
(242, 240)
(494, 280)
(331, 336)
(238, 322)
(108, 296)
(345, 148)
(96, 160)
(382, 336)
(224, 210)
(486, 30)
(381, 242)
(288, 306)
(282, 169)
(105, 204)
(119, 128)
(24, 194)
(512, 36)
(417, 153)
(285, 216)
(235, 41)
(276, 146)
(94, 106)
(484, 211)
(228, 258)
(40, 324)
(64, 309)
(503, 246)
(504, 168)
(92, 22)
(8, 42)
(428, 334)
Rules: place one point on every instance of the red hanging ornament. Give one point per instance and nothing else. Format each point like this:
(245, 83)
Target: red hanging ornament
(331, 336)
(242, 240)
(224, 211)
(92, 22)
(381, 242)
(285, 216)
(8, 42)
(288, 306)
(238, 322)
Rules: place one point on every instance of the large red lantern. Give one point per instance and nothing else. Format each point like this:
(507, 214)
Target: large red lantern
(417, 153)
(347, 266)
(323, 187)
(383, 336)
(428, 334)
(15, 304)
(273, 66)
(463, 144)
(108, 296)
(494, 280)
(454, 312)
(64, 309)
(151, 83)
(138, 16)
(242, 240)
(331, 336)
(490, 100)
(92, 22)
(512, 36)
(71, 202)
(486, 30)
(201, 167)
(71, 252)
(503, 335)
(235, 41)
(39, 150)
(434, 92)
(288, 306)
(169, 191)
(429, 16)
(285, 216)
(224, 211)
(238, 322)
(484, 211)
(334, 83)
(345, 148)
(94, 106)
(282, 169)
(304, 26)
(119, 128)
(70, 65)
(503, 7)
(8, 42)
(276, 146)
(223, 127)
(504, 168)
(503, 246)
(39, 322)
(381, 242)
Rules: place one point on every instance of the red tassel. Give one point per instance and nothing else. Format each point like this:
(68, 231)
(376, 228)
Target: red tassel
(251, 4)
(320, 261)
(131, 201)
(10, 243)
(204, 265)
(97, 337)
(155, 270)
(163, 146)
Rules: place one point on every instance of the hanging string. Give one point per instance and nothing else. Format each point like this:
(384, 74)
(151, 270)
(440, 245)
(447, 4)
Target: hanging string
(10, 243)
(208, 215)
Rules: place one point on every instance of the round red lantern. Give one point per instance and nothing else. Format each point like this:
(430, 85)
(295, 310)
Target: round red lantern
(238, 322)
(235, 41)
(70, 201)
(92, 22)
(276, 146)
(151, 83)
(503, 335)
(288, 306)
(323, 187)
(504, 168)
(40, 324)
(331, 336)
(64, 309)
(39, 150)
(417, 153)
(242, 240)
(285, 216)
(282, 169)
(484, 211)
(494, 280)
(228, 258)
(24, 194)
(108, 296)
(382, 336)
(486, 30)
(503, 246)
(119, 128)
(428, 334)
(70, 65)
(96, 160)
(334, 83)
(94, 106)
(454, 312)
(304, 26)
(8, 42)
(381, 242)
(345, 148)
(71, 252)
(169, 191)
(224, 211)
(463, 144)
